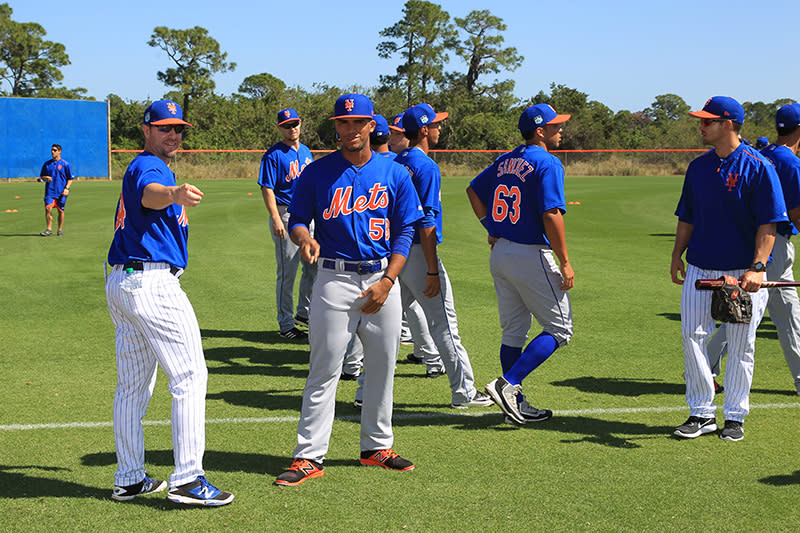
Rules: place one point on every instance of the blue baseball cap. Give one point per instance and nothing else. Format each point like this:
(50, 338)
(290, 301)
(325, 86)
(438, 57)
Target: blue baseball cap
(421, 115)
(397, 123)
(761, 142)
(353, 106)
(286, 115)
(788, 116)
(538, 115)
(721, 107)
(163, 112)
(381, 127)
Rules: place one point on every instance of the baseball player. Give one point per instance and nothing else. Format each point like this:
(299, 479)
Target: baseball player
(354, 197)
(727, 215)
(397, 139)
(520, 201)
(57, 175)
(783, 304)
(424, 277)
(762, 143)
(280, 167)
(155, 323)
(379, 139)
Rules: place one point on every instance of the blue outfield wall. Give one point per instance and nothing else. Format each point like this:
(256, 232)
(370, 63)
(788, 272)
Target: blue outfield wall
(30, 126)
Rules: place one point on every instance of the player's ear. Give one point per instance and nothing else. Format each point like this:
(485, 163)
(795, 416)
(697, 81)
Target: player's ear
(372, 125)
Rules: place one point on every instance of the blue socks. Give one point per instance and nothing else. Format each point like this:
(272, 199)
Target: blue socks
(536, 353)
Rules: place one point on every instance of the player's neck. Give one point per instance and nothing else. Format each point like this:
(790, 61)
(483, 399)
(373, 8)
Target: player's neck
(359, 157)
(422, 143)
(538, 142)
(292, 144)
(789, 141)
(727, 146)
(381, 149)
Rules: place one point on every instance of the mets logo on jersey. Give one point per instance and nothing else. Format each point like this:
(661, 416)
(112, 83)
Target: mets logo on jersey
(172, 108)
(59, 167)
(349, 103)
(341, 204)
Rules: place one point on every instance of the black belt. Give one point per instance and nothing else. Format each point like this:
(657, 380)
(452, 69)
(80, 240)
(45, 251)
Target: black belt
(366, 267)
(138, 265)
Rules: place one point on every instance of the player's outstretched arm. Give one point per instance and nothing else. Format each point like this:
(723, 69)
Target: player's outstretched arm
(377, 293)
(157, 196)
(682, 234)
(553, 222)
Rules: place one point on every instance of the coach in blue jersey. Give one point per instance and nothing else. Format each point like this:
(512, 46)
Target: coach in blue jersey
(424, 278)
(155, 323)
(57, 175)
(783, 304)
(520, 201)
(354, 197)
(727, 215)
(280, 167)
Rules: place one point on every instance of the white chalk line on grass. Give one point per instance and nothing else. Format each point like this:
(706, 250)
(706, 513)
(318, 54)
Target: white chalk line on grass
(398, 416)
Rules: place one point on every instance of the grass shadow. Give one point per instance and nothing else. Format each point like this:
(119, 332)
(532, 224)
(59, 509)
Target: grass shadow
(622, 386)
(783, 480)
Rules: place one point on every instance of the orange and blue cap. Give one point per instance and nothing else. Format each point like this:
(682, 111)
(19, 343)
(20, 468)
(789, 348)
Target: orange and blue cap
(163, 112)
(538, 115)
(286, 115)
(397, 123)
(723, 107)
(421, 115)
(353, 106)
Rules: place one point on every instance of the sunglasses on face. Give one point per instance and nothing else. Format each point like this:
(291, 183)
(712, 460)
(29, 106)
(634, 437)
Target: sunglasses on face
(178, 128)
(709, 121)
(290, 125)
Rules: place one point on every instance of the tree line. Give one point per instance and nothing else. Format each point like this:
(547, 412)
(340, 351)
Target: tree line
(483, 109)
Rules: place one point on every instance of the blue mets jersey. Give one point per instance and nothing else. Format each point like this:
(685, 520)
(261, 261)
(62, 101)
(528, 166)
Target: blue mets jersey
(726, 200)
(427, 180)
(517, 189)
(61, 173)
(142, 234)
(360, 213)
(280, 167)
(787, 165)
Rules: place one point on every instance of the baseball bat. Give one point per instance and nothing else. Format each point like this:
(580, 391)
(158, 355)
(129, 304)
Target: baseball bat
(708, 284)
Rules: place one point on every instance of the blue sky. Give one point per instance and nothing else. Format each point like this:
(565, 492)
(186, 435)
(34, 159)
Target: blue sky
(621, 53)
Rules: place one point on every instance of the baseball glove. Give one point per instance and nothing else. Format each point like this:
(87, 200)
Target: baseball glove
(729, 303)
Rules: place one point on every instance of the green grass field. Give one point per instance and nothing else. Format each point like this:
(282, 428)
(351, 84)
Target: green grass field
(606, 461)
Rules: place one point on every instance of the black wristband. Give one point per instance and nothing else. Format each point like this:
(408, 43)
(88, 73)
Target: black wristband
(432, 273)
(387, 276)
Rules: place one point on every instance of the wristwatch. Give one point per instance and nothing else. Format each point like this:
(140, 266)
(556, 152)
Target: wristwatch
(758, 266)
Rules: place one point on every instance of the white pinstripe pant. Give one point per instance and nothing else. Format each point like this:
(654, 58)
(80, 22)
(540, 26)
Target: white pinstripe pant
(696, 327)
(156, 325)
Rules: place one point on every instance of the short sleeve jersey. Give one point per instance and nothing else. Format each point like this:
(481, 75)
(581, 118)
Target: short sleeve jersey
(280, 167)
(61, 173)
(787, 165)
(355, 209)
(149, 235)
(517, 189)
(726, 200)
(427, 180)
